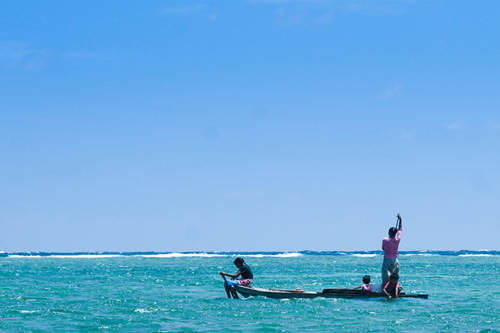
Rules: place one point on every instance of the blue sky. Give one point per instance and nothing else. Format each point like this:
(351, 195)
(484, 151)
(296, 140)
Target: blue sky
(249, 125)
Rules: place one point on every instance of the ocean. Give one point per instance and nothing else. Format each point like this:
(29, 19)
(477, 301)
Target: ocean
(183, 292)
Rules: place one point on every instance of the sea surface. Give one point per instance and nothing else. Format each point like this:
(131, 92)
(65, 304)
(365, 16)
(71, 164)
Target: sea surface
(183, 292)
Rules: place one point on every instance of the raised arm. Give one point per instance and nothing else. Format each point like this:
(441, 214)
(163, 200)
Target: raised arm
(400, 222)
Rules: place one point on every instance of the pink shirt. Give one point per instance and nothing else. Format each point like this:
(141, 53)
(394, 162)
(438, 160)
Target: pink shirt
(390, 246)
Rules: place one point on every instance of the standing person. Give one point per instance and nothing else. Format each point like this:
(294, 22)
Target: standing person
(390, 246)
(243, 270)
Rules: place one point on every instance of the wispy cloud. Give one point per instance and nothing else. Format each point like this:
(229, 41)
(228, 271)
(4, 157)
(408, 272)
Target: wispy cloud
(288, 1)
(454, 125)
(377, 7)
(86, 55)
(302, 12)
(184, 9)
(392, 90)
(407, 135)
(195, 8)
(24, 57)
(296, 16)
(494, 124)
(21, 55)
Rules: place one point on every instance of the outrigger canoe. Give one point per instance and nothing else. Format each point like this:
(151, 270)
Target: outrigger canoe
(327, 293)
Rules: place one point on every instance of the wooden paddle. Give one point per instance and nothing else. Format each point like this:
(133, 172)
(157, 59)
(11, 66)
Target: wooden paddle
(226, 286)
(229, 290)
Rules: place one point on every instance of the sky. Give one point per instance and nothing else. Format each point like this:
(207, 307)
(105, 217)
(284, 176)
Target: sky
(249, 125)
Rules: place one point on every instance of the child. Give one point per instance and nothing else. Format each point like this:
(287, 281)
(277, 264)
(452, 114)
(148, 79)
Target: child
(243, 270)
(366, 284)
(392, 288)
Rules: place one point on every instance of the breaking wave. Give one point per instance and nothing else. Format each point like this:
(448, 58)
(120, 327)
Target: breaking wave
(208, 254)
(179, 255)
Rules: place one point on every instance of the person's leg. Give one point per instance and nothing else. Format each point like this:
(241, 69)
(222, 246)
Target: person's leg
(232, 282)
(396, 266)
(246, 282)
(392, 267)
(389, 267)
(385, 272)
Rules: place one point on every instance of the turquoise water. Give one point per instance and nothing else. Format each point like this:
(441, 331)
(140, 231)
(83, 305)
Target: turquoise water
(184, 293)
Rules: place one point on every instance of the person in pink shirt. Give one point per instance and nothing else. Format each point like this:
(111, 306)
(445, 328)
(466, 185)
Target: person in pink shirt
(390, 246)
(366, 284)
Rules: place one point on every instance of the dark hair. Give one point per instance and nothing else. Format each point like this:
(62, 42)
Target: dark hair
(394, 277)
(238, 261)
(366, 279)
(392, 232)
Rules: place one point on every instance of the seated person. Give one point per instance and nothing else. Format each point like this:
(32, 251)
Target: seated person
(366, 284)
(243, 270)
(392, 288)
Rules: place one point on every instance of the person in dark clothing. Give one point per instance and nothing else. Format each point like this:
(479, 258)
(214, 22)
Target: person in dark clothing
(243, 270)
(393, 287)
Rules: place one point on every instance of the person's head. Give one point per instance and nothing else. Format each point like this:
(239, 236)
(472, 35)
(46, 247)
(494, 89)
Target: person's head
(238, 262)
(394, 277)
(392, 232)
(366, 279)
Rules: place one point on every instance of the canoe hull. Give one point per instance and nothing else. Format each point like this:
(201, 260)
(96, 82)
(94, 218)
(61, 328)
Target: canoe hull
(326, 293)
(247, 292)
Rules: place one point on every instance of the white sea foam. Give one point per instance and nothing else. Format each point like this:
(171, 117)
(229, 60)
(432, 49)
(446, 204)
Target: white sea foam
(279, 255)
(210, 255)
(19, 256)
(475, 255)
(364, 255)
(417, 254)
(159, 255)
(180, 255)
(85, 256)
(71, 256)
